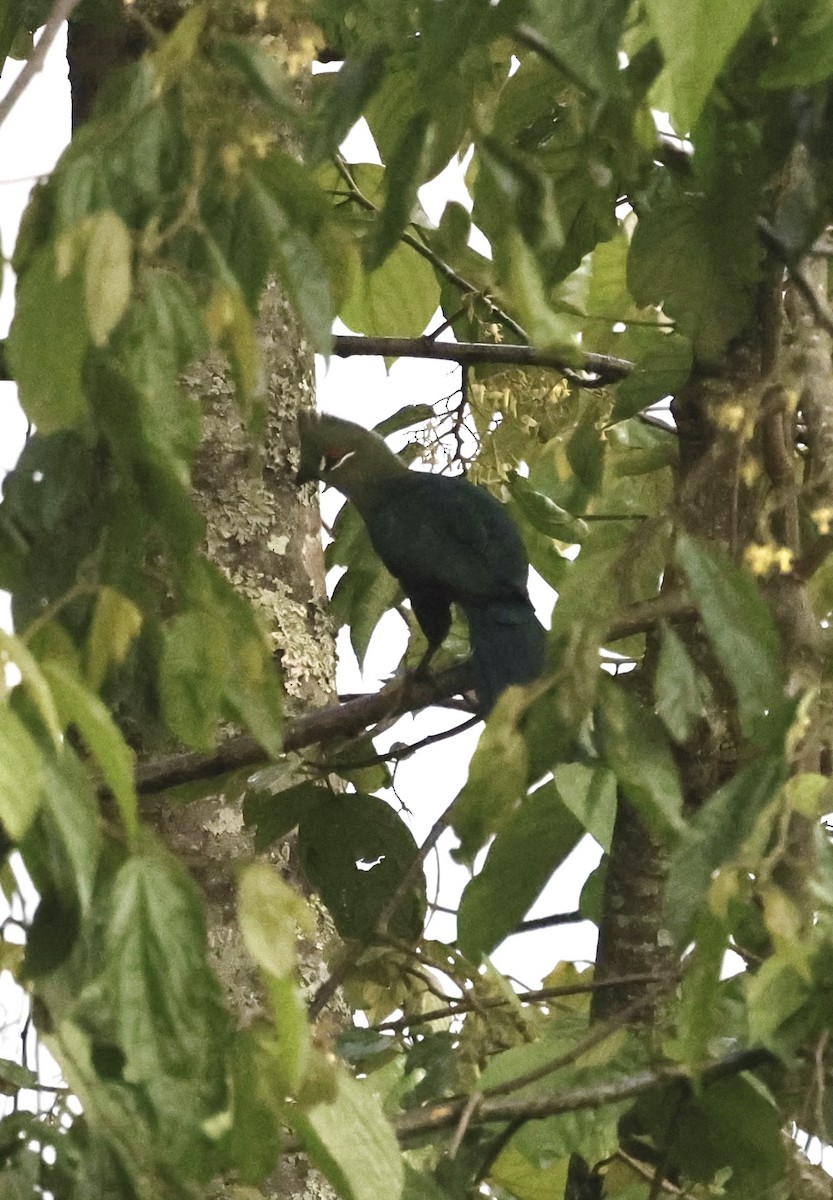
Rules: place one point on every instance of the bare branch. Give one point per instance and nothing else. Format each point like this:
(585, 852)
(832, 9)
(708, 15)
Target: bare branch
(598, 369)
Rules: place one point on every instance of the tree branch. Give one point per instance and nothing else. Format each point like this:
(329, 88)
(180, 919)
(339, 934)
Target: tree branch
(599, 368)
(60, 13)
(324, 724)
(354, 716)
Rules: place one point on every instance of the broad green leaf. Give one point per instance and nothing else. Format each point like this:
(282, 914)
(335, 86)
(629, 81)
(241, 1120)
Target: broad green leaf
(699, 1009)
(545, 515)
(775, 993)
(712, 299)
(13, 1077)
(351, 1142)
(72, 810)
(714, 835)
(108, 272)
(658, 373)
(299, 262)
(275, 814)
(584, 36)
(403, 175)
(355, 850)
(47, 344)
(13, 650)
(398, 299)
(340, 98)
(495, 786)
(82, 708)
(634, 746)
(255, 1137)
(742, 632)
(271, 915)
(732, 1126)
(195, 664)
(589, 792)
(677, 689)
(696, 39)
(115, 625)
(367, 589)
(539, 835)
(10, 20)
(163, 997)
(21, 775)
(802, 52)
(523, 1179)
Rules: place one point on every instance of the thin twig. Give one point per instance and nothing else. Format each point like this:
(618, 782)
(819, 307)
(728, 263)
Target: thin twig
(61, 11)
(769, 236)
(539, 996)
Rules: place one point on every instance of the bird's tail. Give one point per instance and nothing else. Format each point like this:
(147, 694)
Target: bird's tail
(508, 645)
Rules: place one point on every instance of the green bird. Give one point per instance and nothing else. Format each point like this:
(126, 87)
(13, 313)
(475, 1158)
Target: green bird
(446, 541)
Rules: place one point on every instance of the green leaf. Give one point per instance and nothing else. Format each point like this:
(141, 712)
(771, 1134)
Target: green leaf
(355, 850)
(731, 1126)
(10, 21)
(699, 1007)
(802, 52)
(658, 373)
(584, 36)
(13, 650)
(108, 272)
(255, 1136)
(398, 299)
(677, 687)
(252, 689)
(743, 634)
(411, 414)
(712, 300)
(403, 175)
(70, 805)
(714, 836)
(539, 835)
(161, 994)
(275, 814)
(775, 993)
(300, 264)
(634, 746)
(47, 344)
(696, 39)
(13, 1077)
(495, 786)
(367, 589)
(271, 914)
(82, 708)
(20, 775)
(589, 792)
(351, 1142)
(115, 625)
(195, 663)
(544, 514)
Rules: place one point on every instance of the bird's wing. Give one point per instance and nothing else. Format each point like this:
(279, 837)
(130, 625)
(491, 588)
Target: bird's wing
(451, 535)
